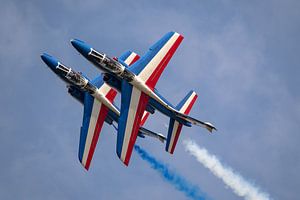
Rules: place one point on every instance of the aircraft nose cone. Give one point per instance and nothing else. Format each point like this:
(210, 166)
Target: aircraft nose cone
(81, 46)
(50, 61)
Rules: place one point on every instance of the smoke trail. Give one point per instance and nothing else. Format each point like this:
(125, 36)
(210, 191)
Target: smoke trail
(235, 181)
(172, 177)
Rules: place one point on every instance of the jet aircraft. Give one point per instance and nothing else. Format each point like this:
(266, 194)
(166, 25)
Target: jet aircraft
(97, 98)
(135, 78)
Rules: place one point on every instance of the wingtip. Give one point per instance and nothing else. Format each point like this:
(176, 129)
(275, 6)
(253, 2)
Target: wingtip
(86, 167)
(125, 163)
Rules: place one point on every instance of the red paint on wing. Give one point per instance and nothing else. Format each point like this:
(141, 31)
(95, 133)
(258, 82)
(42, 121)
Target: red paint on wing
(136, 125)
(111, 95)
(100, 121)
(151, 82)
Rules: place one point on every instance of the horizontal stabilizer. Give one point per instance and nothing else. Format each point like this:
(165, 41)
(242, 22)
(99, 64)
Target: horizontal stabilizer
(147, 132)
(210, 127)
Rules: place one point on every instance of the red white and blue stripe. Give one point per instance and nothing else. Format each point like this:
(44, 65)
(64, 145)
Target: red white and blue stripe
(133, 103)
(150, 67)
(175, 127)
(129, 57)
(93, 118)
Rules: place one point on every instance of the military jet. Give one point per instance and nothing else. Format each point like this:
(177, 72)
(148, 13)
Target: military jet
(135, 78)
(98, 100)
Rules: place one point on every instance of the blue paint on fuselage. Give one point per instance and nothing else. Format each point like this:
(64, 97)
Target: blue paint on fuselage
(98, 81)
(82, 47)
(51, 62)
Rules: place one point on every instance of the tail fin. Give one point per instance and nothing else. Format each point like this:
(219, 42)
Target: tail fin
(184, 107)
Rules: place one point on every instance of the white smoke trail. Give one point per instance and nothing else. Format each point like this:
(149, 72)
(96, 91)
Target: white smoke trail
(232, 179)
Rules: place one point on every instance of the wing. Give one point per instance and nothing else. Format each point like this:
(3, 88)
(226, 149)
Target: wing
(150, 67)
(133, 105)
(129, 57)
(93, 118)
(159, 136)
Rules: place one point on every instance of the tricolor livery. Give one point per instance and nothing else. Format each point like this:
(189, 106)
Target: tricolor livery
(135, 78)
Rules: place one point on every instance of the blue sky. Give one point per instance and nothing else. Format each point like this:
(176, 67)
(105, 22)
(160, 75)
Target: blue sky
(242, 58)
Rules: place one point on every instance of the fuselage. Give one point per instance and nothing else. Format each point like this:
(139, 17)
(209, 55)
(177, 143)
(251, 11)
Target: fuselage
(116, 71)
(78, 80)
(79, 86)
